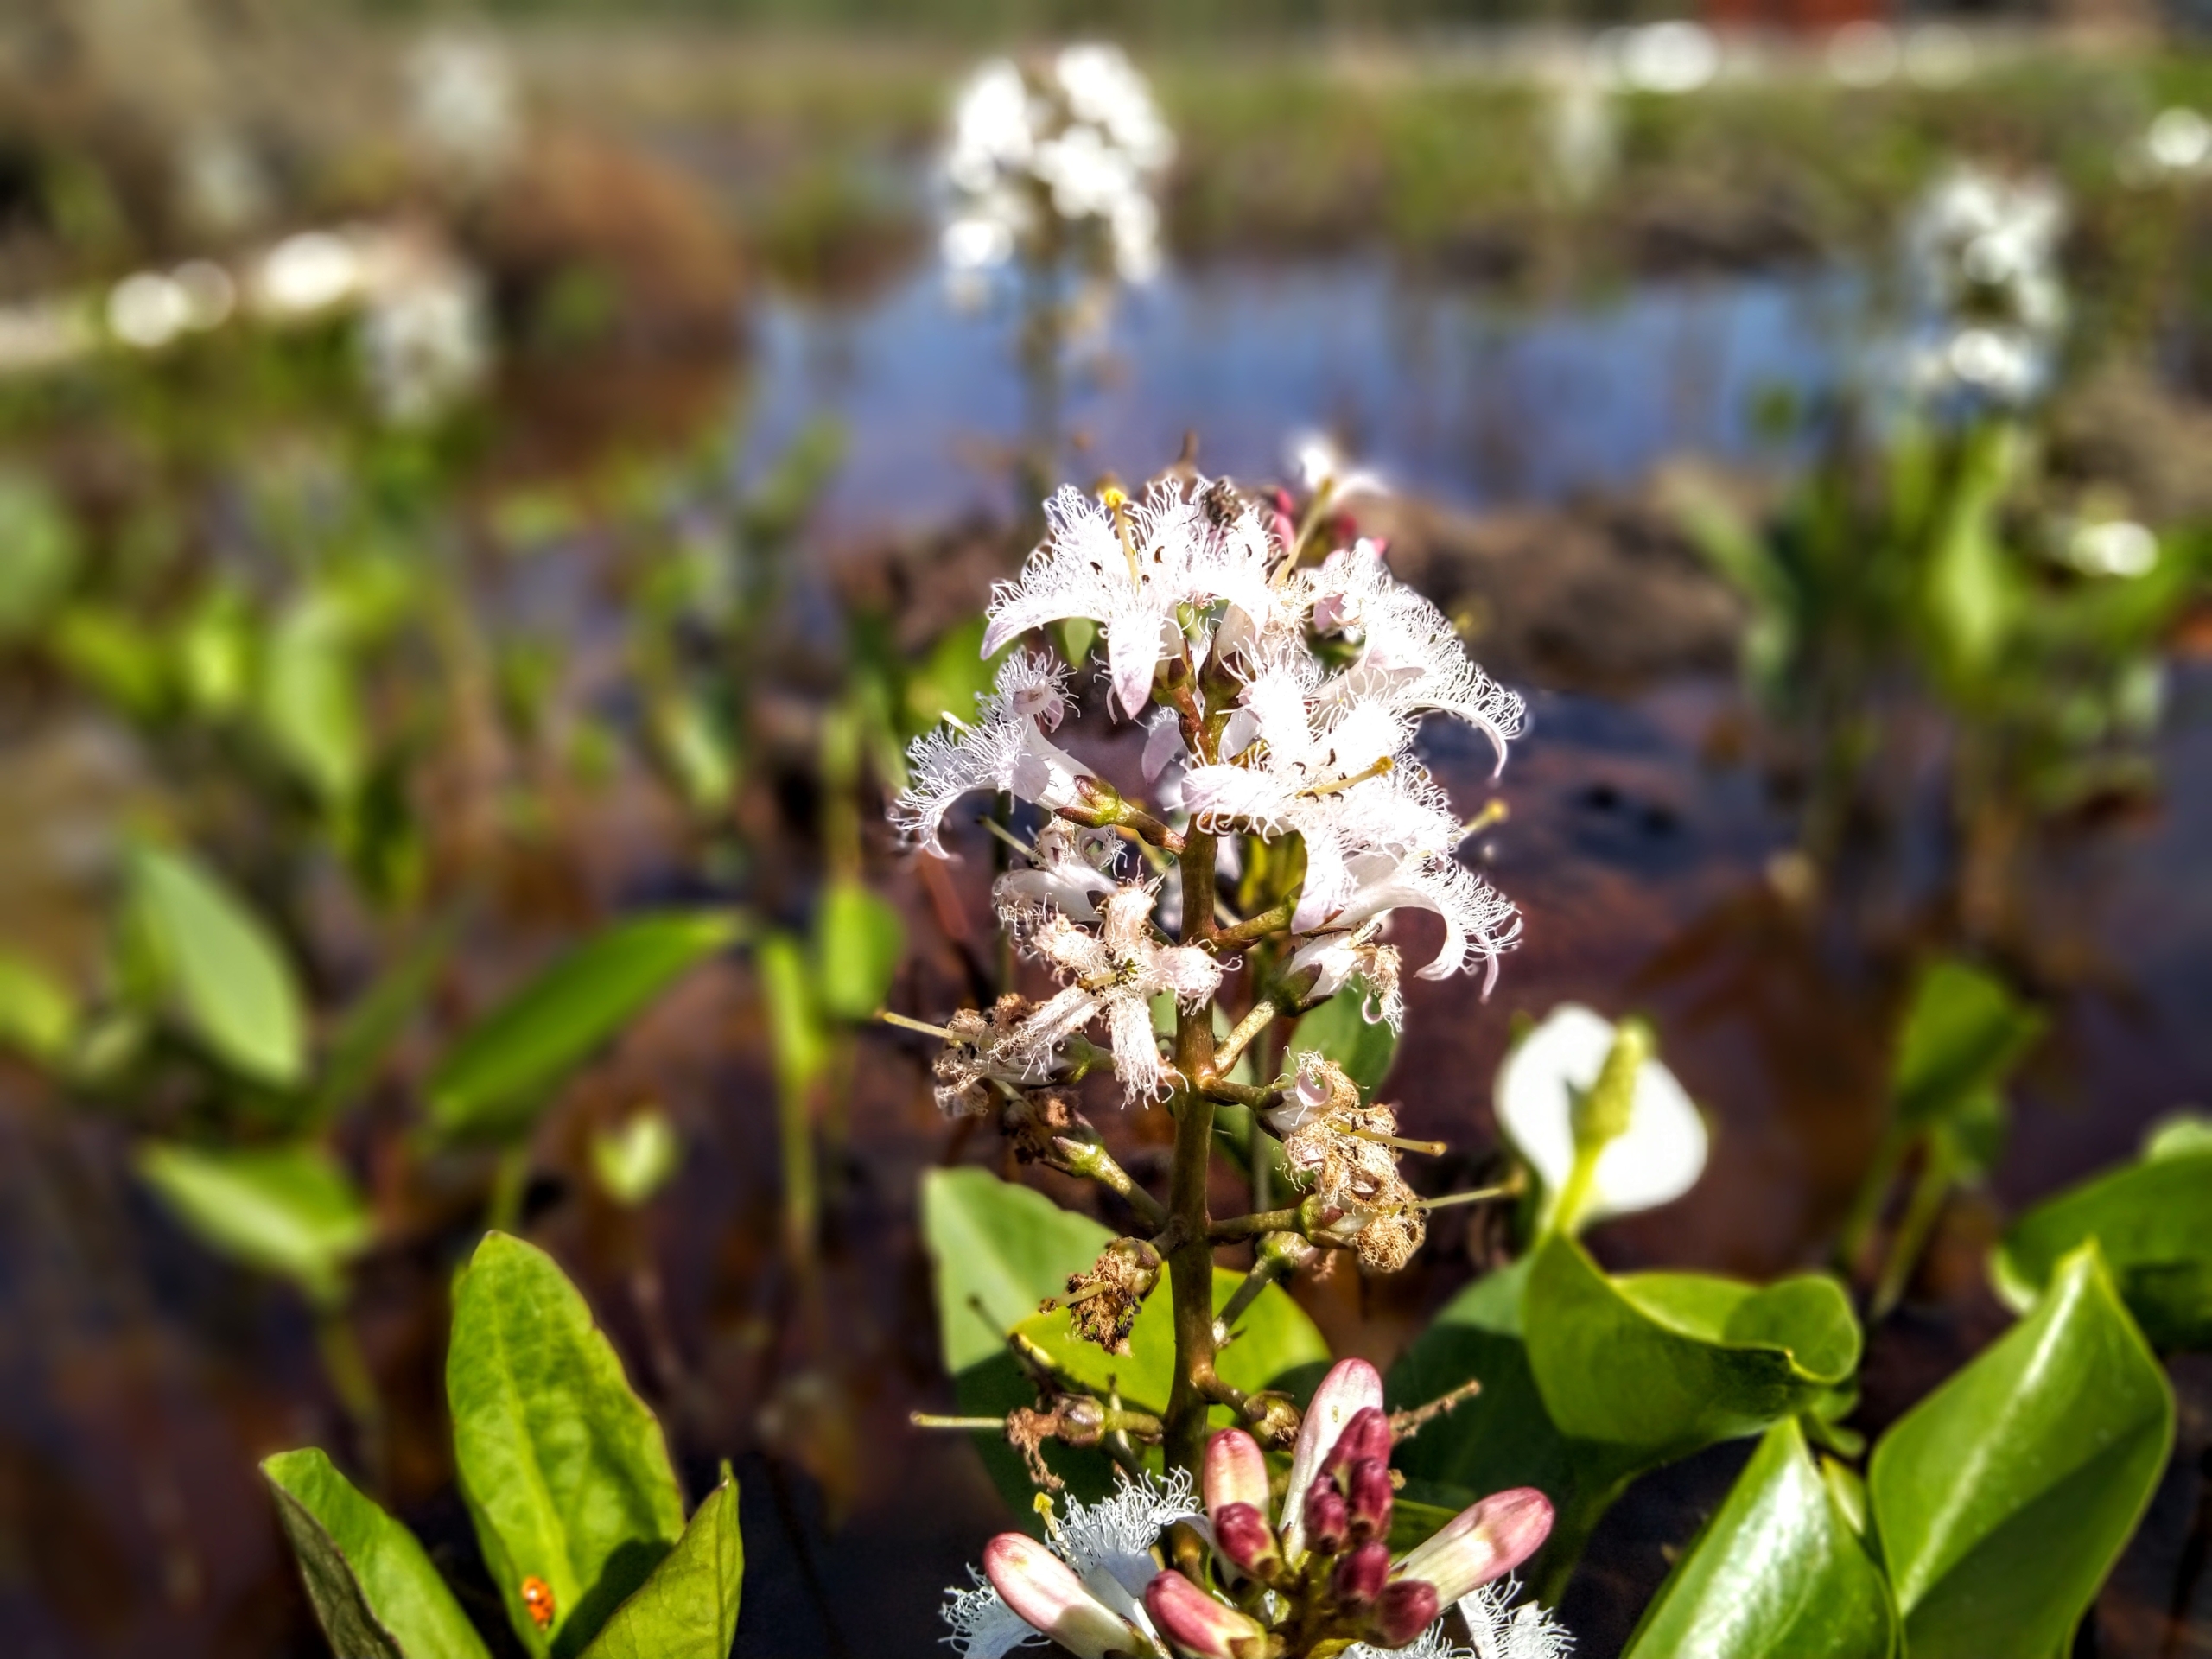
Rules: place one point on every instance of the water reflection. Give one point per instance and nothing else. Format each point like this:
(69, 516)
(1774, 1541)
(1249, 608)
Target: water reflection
(1460, 393)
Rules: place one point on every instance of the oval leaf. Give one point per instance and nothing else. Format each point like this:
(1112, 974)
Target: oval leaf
(858, 940)
(2003, 1498)
(1661, 1364)
(38, 1013)
(1963, 1035)
(502, 1073)
(310, 705)
(1778, 1570)
(564, 1469)
(228, 974)
(373, 1585)
(687, 1608)
(1339, 1029)
(290, 1210)
(2152, 1223)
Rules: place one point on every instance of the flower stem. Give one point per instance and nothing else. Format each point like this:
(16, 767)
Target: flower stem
(1262, 1014)
(1191, 1268)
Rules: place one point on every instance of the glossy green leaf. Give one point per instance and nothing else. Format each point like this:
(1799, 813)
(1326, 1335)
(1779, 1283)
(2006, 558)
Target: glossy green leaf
(1777, 1570)
(564, 1469)
(288, 1210)
(1340, 1030)
(1964, 1034)
(687, 1608)
(504, 1072)
(634, 1161)
(996, 1251)
(1661, 1364)
(1274, 1340)
(373, 1585)
(2002, 1499)
(310, 705)
(858, 940)
(2152, 1223)
(226, 970)
(2178, 1133)
(38, 1014)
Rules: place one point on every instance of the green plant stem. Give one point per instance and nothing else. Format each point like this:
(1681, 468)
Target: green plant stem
(1273, 919)
(1933, 1185)
(350, 1380)
(1091, 1159)
(510, 1181)
(1191, 1268)
(1263, 1221)
(1233, 1046)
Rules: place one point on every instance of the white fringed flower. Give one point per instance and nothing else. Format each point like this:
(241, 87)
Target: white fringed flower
(1005, 748)
(1131, 568)
(1981, 264)
(1070, 869)
(1501, 1631)
(1114, 974)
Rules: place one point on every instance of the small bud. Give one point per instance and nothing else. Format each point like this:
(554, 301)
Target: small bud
(1082, 1419)
(1247, 1539)
(1351, 1387)
(1236, 1472)
(1041, 1588)
(1328, 1520)
(1367, 1491)
(1401, 1612)
(1367, 1435)
(1196, 1624)
(1360, 1576)
(1483, 1541)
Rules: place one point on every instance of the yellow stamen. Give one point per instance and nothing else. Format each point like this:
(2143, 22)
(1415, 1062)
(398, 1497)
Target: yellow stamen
(1379, 769)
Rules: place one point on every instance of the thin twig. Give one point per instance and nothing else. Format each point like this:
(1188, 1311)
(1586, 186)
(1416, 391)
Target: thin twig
(1404, 1425)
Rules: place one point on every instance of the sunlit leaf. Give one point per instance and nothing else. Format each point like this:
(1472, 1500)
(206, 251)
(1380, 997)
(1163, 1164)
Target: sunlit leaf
(565, 1472)
(2003, 1498)
(118, 657)
(697, 751)
(373, 1585)
(797, 1041)
(38, 1013)
(635, 1162)
(309, 703)
(687, 1608)
(1778, 1570)
(1339, 1029)
(950, 679)
(858, 940)
(499, 1077)
(1963, 1034)
(288, 1210)
(2152, 1223)
(226, 970)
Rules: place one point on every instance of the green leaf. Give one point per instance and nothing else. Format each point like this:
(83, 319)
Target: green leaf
(500, 1075)
(2152, 1223)
(373, 1585)
(290, 1210)
(1274, 1340)
(309, 704)
(1661, 1364)
(564, 1469)
(1340, 1030)
(949, 679)
(1778, 1570)
(120, 658)
(2003, 1498)
(634, 1161)
(2177, 1135)
(857, 943)
(697, 751)
(1964, 1034)
(687, 1608)
(38, 1014)
(374, 1024)
(228, 973)
(797, 1039)
(39, 555)
(997, 1250)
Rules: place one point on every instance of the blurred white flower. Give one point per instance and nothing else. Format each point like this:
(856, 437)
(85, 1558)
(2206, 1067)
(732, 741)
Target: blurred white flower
(1864, 54)
(1673, 57)
(1939, 55)
(2118, 547)
(311, 272)
(1980, 253)
(1601, 1162)
(462, 100)
(148, 310)
(427, 344)
(2177, 144)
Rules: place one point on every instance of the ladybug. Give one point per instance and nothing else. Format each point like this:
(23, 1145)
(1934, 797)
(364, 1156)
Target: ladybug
(537, 1596)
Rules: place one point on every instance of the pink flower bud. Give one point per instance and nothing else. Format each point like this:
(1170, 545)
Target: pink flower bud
(1196, 1624)
(1041, 1588)
(1246, 1539)
(1328, 1520)
(1236, 1472)
(1351, 1387)
(1401, 1612)
(1367, 1435)
(1367, 1491)
(1483, 1541)
(1360, 1576)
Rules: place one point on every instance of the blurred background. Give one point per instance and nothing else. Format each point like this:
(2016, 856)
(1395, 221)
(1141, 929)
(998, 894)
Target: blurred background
(470, 476)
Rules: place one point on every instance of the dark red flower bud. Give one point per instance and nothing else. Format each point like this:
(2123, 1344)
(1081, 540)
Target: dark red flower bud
(1360, 1576)
(1328, 1521)
(1367, 1435)
(1196, 1624)
(1368, 1494)
(1401, 1612)
(1246, 1539)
